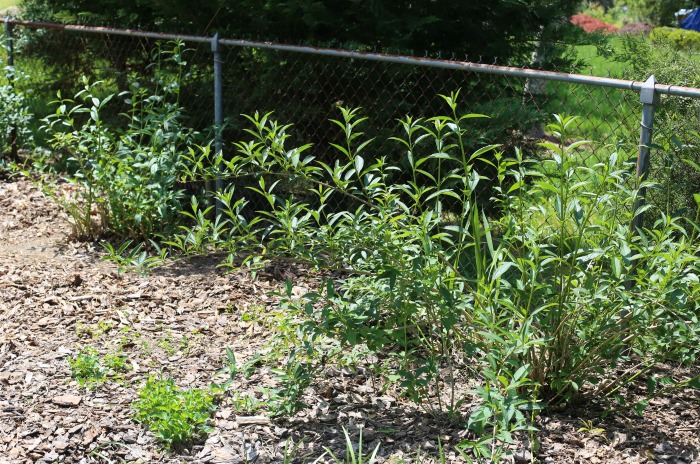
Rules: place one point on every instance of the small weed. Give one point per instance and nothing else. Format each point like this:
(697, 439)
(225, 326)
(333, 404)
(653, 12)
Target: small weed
(290, 450)
(186, 343)
(88, 369)
(589, 429)
(244, 403)
(83, 330)
(146, 348)
(104, 327)
(230, 368)
(166, 344)
(135, 259)
(176, 417)
(128, 338)
(116, 363)
(352, 456)
(93, 331)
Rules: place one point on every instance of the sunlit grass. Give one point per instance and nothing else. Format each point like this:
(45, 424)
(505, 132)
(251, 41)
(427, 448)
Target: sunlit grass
(4, 4)
(605, 66)
(608, 115)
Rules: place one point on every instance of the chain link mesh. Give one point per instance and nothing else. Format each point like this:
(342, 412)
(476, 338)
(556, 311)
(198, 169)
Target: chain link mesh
(306, 89)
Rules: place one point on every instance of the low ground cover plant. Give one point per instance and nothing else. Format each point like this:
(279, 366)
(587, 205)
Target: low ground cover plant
(176, 416)
(89, 369)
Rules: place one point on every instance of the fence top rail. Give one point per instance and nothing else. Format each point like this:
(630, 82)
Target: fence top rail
(370, 56)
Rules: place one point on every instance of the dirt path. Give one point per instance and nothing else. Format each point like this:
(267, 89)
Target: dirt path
(57, 296)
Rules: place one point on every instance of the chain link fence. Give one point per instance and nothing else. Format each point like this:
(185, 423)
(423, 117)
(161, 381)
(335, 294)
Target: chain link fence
(304, 86)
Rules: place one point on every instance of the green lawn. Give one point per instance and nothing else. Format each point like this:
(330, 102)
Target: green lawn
(8, 3)
(606, 115)
(603, 66)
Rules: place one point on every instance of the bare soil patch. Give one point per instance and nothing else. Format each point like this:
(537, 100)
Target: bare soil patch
(57, 296)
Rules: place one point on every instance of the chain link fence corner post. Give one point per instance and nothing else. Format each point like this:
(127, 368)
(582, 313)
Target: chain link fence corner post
(649, 98)
(218, 116)
(11, 63)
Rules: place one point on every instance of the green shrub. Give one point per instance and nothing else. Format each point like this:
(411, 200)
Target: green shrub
(676, 121)
(541, 301)
(683, 39)
(126, 178)
(15, 115)
(175, 416)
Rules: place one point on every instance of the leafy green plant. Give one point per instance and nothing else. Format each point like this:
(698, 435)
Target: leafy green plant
(136, 258)
(176, 417)
(500, 413)
(129, 337)
(89, 369)
(589, 428)
(294, 378)
(230, 368)
(116, 363)
(537, 298)
(125, 178)
(86, 368)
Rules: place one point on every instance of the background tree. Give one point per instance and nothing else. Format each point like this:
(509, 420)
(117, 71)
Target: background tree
(499, 28)
(657, 12)
(305, 89)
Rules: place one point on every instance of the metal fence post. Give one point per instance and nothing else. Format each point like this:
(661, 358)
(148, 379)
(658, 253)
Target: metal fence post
(11, 63)
(218, 113)
(649, 98)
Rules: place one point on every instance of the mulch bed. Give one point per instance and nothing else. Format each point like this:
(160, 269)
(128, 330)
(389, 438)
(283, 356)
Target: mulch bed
(636, 29)
(57, 296)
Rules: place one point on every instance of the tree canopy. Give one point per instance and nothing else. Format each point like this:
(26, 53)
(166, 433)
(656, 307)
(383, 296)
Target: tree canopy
(499, 28)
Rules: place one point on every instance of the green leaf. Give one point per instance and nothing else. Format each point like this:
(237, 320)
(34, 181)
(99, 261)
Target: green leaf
(520, 373)
(359, 164)
(640, 406)
(651, 384)
(483, 150)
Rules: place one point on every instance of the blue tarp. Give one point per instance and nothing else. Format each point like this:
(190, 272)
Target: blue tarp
(692, 21)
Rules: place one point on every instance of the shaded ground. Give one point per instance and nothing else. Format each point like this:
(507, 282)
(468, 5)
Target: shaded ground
(57, 296)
